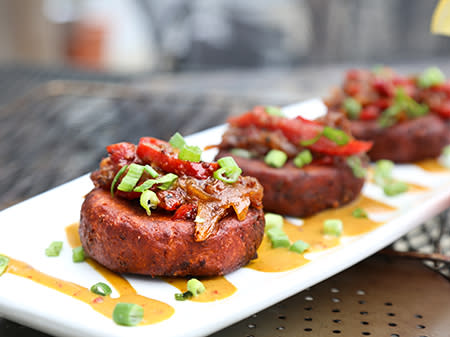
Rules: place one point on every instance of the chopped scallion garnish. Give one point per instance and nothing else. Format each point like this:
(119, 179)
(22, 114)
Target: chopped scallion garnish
(336, 135)
(333, 227)
(359, 213)
(166, 181)
(4, 261)
(101, 288)
(177, 141)
(275, 158)
(130, 180)
(278, 238)
(352, 107)
(183, 296)
(190, 153)
(149, 200)
(229, 171)
(309, 142)
(241, 153)
(78, 254)
(273, 221)
(273, 111)
(151, 171)
(299, 246)
(355, 164)
(195, 287)
(383, 178)
(116, 178)
(395, 188)
(128, 314)
(430, 77)
(303, 158)
(227, 175)
(54, 249)
(402, 103)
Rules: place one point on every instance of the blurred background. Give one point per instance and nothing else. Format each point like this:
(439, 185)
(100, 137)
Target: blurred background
(183, 35)
(278, 42)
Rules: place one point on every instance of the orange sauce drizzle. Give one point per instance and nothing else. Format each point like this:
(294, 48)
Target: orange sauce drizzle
(217, 288)
(281, 259)
(431, 165)
(154, 311)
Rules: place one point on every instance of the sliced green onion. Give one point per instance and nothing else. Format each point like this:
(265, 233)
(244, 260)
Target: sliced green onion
(241, 153)
(444, 159)
(278, 238)
(430, 77)
(54, 249)
(395, 188)
(183, 296)
(226, 175)
(383, 172)
(273, 221)
(195, 287)
(227, 162)
(166, 181)
(148, 200)
(309, 142)
(389, 116)
(130, 180)
(128, 314)
(145, 185)
(190, 153)
(116, 178)
(177, 141)
(151, 171)
(336, 135)
(4, 261)
(303, 158)
(229, 171)
(78, 254)
(383, 178)
(352, 107)
(101, 288)
(299, 246)
(355, 164)
(273, 111)
(333, 227)
(275, 158)
(402, 103)
(359, 213)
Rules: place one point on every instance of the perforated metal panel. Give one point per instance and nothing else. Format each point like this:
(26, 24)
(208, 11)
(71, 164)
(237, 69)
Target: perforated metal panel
(382, 296)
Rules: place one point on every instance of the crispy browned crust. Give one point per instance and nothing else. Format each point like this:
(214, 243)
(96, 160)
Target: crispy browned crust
(118, 234)
(301, 192)
(406, 142)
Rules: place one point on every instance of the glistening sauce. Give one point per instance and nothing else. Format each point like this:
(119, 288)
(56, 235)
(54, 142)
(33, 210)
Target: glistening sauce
(154, 311)
(217, 288)
(281, 259)
(431, 165)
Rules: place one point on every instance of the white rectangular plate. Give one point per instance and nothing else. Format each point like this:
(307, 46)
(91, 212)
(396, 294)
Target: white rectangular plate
(29, 227)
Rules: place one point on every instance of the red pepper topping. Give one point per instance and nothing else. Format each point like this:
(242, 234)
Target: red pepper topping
(162, 155)
(186, 211)
(369, 113)
(297, 130)
(122, 154)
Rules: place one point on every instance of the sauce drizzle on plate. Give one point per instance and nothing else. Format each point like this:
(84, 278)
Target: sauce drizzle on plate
(281, 259)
